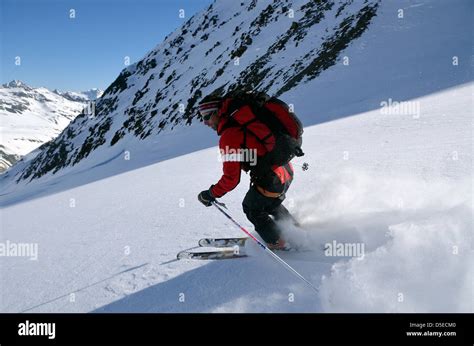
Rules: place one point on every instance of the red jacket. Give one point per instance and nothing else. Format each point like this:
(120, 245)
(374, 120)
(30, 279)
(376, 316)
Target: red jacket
(232, 137)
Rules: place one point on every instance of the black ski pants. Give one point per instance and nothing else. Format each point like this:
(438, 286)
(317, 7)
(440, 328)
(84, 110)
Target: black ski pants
(258, 209)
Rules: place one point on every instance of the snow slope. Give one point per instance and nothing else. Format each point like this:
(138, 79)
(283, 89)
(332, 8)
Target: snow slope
(400, 184)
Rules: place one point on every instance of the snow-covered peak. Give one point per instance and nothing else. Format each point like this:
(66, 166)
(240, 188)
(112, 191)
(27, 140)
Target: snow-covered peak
(81, 96)
(16, 84)
(30, 117)
(93, 94)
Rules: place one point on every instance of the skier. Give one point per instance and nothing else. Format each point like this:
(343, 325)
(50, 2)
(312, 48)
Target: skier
(268, 186)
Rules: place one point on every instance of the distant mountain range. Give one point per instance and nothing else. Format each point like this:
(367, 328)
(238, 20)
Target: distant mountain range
(32, 116)
(83, 96)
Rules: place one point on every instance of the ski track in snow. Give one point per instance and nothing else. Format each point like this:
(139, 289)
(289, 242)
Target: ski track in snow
(109, 246)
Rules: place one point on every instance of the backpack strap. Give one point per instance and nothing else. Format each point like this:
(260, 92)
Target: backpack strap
(234, 105)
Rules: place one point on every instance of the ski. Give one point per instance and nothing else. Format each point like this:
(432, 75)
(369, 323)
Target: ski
(211, 255)
(222, 242)
(228, 248)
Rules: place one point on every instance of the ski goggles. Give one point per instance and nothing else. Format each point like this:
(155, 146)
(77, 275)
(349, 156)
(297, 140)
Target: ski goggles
(207, 109)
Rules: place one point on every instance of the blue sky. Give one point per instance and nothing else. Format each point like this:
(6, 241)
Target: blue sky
(88, 51)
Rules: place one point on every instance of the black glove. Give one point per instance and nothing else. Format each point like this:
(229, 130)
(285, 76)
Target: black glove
(206, 198)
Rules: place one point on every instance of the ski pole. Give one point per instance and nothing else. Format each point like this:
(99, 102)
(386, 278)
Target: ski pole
(263, 246)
